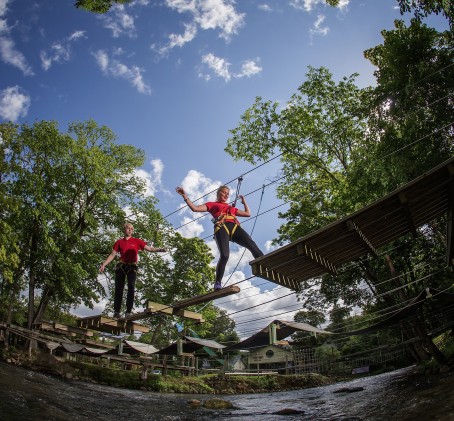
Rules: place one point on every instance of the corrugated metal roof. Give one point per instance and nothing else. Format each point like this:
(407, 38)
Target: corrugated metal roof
(283, 330)
(393, 216)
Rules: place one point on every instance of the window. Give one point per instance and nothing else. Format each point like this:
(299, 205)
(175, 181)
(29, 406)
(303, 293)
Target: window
(269, 353)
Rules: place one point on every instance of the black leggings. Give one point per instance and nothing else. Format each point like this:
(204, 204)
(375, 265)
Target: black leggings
(123, 271)
(241, 237)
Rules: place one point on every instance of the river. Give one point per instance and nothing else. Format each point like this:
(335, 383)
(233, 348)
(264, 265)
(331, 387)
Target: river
(29, 395)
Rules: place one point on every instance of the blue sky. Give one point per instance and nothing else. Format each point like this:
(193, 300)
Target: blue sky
(172, 77)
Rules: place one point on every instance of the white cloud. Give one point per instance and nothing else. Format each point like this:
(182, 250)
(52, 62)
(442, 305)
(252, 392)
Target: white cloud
(221, 68)
(11, 56)
(317, 28)
(76, 35)
(219, 65)
(3, 26)
(150, 187)
(265, 7)
(256, 318)
(309, 5)
(197, 185)
(14, 103)
(102, 59)
(176, 40)
(3, 7)
(249, 68)
(117, 69)
(59, 52)
(153, 179)
(269, 247)
(119, 22)
(205, 14)
(219, 14)
(190, 228)
(140, 2)
(8, 52)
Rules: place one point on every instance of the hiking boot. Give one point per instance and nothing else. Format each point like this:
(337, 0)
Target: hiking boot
(127, 314)
(117, 315)
(217, 286)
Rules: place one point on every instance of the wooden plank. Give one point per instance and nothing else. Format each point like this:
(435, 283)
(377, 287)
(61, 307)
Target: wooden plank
(352, 227)
(108, 324)
(166, 309)
(210, 296)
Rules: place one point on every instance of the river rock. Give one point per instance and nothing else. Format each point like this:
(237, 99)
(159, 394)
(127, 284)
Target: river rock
(288, 411)
(194, 403)
(217, 404)
(349, 389)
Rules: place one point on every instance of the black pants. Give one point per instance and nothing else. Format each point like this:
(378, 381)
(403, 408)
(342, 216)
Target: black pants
(240, 237)
(123, 271)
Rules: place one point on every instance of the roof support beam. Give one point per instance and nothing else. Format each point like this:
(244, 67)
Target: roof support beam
(406, 209)
(305, 250)
(274, 276)
(450, 226)
(352, 227)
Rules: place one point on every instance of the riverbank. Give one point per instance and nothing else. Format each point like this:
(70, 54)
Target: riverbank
(217, 384)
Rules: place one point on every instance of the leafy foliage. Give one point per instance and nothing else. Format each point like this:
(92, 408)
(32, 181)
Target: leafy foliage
(98, 6)
(341, 147)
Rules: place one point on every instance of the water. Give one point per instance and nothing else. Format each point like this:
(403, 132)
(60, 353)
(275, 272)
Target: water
(27, 395)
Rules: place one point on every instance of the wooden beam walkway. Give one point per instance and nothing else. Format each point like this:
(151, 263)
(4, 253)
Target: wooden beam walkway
(126, 324)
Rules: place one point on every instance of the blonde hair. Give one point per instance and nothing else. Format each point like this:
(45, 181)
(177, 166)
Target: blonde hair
(218, 191)
(128, 224)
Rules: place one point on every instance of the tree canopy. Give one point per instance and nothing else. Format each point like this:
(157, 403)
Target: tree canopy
(341, 147)
(65, 197)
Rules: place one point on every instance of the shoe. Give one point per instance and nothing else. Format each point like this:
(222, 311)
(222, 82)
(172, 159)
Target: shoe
(117, 315)
(217, 286)
(127, 314)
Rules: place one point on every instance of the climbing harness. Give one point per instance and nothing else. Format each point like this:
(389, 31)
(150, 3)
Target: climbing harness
(224, 217)
(126, 267)
(252, 230)
(220, 222)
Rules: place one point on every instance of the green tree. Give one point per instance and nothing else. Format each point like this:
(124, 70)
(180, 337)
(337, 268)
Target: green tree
(342, 147)
(316, 134)
(423, 8)
(412, 109)
(68, 187)
(98, 6)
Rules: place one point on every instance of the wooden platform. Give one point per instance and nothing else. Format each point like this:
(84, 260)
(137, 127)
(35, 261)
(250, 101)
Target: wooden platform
(178, 308)
(210, 296)
(62, 329)
(127, 325)
(109, 325)
(363, 232)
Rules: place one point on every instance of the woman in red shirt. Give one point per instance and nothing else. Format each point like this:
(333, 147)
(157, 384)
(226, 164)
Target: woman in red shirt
(226, 227)
(128, 247)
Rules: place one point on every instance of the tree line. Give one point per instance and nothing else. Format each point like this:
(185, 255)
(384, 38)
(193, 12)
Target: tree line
(342, 147)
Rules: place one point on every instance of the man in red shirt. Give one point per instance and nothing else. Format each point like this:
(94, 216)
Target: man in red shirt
(128, 247)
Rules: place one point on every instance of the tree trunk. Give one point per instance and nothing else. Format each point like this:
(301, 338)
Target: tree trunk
(45, 299)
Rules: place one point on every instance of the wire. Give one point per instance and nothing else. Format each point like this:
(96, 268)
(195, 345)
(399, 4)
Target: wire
(252, 230)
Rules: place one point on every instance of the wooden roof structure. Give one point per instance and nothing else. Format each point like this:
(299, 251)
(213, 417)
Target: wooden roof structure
(363, 232)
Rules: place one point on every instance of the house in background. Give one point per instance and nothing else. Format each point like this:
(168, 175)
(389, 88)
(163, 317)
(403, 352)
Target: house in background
(271, 357)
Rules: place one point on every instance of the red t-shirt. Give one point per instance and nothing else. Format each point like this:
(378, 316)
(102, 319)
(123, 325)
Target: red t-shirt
(129, 249)
(221, 208)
